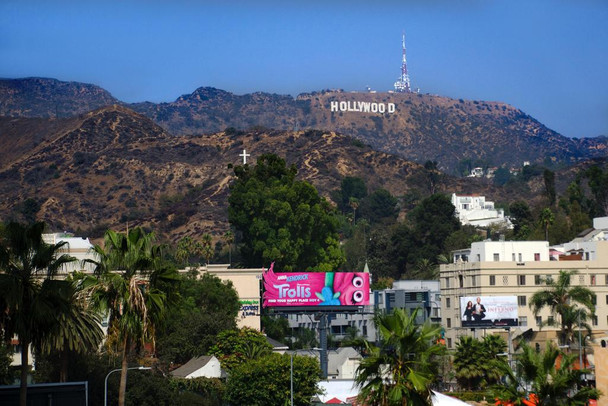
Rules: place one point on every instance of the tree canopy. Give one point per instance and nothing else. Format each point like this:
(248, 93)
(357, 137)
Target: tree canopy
(266, 381)
(281, 219)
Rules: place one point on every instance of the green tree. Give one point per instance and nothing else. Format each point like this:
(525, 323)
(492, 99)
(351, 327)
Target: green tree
(549, 180)
(521, 217)
(229, 240)
(281, 219)
(205, 307)
(266, 381)
(379, 207)
(545, 219)
(477, 363)
(501, 176)
(130, 271)
(549, 375)
(207, 247)
(7, 374)
(350, 187)
(276, 327)
(598, 183)
(78, 328)
(433, 222)
(30, 299)
(562, 299)
(231, 346)
(401, 369)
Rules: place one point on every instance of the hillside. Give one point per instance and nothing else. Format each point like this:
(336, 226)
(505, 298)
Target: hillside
(43, 97)
(421, 127)
(113, 167)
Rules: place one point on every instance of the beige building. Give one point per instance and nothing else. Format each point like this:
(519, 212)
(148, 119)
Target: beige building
(247, 283)
(516, 268)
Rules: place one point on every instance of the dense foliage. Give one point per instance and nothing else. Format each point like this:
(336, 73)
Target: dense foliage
(204, 308)
(403, 366)
(266, 381)
(280, 219)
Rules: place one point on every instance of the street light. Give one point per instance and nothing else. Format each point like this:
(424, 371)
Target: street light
(105, 390)
(291, 377)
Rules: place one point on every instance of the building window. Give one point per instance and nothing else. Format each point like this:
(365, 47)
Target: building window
(521, 300)
(448, 302)
(537, 279)
(594, 319)
(492, 280)
(594, 299)
(505, 280)
(473, 280)
(460, 281)
(522, 280)
(449, 342)
(523, 321)
(537, 256)
(606, 277)
(592, 279)
(449, 322)
(550, 320)
(606, 299)
(496, 257)
(519, 255)
(435, 312)
(539, 320)
(581, 279)
(513, 257)
(447, 282)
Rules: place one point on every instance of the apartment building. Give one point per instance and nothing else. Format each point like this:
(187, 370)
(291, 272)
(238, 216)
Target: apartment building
(517, 268)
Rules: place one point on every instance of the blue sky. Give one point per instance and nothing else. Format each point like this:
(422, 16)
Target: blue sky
(548, 58)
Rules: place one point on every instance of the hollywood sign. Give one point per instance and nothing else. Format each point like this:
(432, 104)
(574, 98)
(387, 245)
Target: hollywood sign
(362, 107)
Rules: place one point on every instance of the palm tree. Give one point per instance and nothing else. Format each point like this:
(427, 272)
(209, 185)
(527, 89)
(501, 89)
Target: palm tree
(30, 300)
(207, 248)
(78, 329)
(546, 218)
(130, 268)
(561, 299)
(479, 363)
(229, 240)
(401, 369)
(550, 377)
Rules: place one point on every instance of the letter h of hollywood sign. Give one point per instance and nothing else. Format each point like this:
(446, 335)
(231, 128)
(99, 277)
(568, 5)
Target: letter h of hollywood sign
(362, 107)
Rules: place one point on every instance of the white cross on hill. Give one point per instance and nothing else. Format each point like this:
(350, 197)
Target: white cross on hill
(244, 155)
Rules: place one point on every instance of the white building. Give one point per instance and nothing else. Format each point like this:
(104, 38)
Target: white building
(476, 211)
(77, 247)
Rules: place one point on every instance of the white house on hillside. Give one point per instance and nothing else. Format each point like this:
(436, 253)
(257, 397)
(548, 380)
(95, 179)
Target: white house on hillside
(476, 211)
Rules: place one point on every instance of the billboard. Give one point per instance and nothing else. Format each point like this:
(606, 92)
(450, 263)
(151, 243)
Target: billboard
(315, 289)
(488, 311)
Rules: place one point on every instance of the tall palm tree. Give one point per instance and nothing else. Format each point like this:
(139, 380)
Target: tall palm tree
(206, 247)
(561, 298)
(78, 329)
(229, 240)
(545, 219)
(477, 363)
(130, 271)
(30, 300)
(550, 377)
(401, 369)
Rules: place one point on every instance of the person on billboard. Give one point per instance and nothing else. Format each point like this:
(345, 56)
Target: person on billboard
(479, 311)
(468, 312)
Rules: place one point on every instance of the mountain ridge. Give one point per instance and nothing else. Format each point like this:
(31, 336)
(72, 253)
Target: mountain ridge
(421, 127)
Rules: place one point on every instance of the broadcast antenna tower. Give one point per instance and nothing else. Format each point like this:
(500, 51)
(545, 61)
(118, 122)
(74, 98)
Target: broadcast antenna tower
(402, 85)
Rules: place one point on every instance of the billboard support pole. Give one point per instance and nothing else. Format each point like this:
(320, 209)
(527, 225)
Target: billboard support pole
(510, 347)
(323, 339)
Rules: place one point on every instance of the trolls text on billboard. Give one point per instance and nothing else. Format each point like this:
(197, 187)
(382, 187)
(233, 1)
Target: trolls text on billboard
(315, 289)
(488, 311)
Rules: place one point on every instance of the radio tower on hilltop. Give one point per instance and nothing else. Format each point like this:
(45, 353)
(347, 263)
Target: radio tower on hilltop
(402, 85)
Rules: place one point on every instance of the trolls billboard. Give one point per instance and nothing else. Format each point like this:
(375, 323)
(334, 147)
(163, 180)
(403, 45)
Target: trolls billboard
(315, 289)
